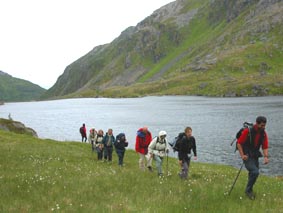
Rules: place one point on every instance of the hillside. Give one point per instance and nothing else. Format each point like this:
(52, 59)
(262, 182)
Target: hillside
(189, 47)
(45, 176)
(15, 89)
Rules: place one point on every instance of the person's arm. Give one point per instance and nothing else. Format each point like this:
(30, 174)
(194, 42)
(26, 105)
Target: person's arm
(95, 139)
(240, 148)
(104, 140)
(113, 139)
(265, 155)
(151, 147)
(194, 148)
(137, 145)
(241, 140)
(265, 150)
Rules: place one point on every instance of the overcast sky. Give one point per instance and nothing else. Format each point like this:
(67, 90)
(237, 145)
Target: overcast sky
(39, 38)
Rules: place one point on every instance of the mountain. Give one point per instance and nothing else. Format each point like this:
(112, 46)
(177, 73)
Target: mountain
(189, 47)
(14, 89)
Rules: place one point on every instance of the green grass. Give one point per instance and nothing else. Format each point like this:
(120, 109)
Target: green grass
(44, 176)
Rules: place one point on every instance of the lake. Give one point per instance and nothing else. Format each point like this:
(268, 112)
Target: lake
(214, 121)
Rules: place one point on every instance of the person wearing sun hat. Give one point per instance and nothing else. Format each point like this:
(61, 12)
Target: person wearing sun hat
(157, 149)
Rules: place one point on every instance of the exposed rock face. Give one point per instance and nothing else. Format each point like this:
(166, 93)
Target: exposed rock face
(17, 127)
(186, 37)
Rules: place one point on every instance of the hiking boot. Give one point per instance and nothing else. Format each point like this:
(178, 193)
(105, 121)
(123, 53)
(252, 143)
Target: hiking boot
(250, 195)
(150, 169)
(182, 176)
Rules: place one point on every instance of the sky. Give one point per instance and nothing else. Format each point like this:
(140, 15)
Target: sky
(39, 38)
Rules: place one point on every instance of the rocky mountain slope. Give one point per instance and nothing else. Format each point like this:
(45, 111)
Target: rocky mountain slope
(14, 89)
(189, 47)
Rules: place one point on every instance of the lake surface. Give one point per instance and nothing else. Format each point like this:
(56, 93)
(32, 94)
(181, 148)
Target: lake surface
(214, 121)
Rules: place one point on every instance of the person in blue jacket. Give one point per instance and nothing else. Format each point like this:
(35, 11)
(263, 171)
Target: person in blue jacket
(120, 144)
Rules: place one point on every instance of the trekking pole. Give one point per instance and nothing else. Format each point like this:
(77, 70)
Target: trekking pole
(167, 164)
(233, 141)
(236, 179)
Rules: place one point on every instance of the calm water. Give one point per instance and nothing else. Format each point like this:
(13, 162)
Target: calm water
(215, 121)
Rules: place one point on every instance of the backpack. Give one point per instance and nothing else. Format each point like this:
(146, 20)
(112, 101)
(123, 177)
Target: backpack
(175, 144)
(239, 133)
(120, 144)
(82, 130)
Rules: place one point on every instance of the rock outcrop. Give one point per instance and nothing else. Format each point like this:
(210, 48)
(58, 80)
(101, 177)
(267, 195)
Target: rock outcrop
(17, 127)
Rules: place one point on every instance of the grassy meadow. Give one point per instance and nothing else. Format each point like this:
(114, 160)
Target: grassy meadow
(47, 176)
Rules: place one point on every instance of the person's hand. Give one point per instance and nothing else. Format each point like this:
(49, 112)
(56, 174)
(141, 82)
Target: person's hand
(195, 157)
(265, 160)
(244, 157)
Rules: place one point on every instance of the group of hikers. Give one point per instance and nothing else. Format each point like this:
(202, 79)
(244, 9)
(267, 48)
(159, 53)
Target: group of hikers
(147, 147)
(103, 144)
(249, 143)
(157, 148)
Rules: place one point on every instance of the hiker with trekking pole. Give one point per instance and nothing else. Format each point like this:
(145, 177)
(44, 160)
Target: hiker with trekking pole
(248, 144)
(157, 149)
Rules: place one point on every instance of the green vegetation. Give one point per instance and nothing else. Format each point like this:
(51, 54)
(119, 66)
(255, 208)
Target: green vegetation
(44, 176)
(212, 48)
(14, 89)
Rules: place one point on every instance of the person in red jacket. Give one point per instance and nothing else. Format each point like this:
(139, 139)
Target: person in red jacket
(143, 140)
(248, 145)
(83, 133)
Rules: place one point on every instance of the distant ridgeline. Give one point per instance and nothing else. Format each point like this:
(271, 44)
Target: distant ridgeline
(187, 47)
(15, 89)
(17, 127)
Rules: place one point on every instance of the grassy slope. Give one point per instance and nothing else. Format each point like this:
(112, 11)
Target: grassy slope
(44, 175)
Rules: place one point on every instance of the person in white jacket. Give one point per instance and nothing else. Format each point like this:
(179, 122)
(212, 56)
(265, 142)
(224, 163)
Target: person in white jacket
(157, 149)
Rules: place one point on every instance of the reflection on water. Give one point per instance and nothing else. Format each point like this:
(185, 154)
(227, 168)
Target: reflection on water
(215, 121)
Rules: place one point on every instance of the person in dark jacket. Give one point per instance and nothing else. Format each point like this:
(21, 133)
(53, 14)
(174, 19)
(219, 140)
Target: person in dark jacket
(108, 141)
(186, 144)
(120, 146)
(248, 145)
(83, 133)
